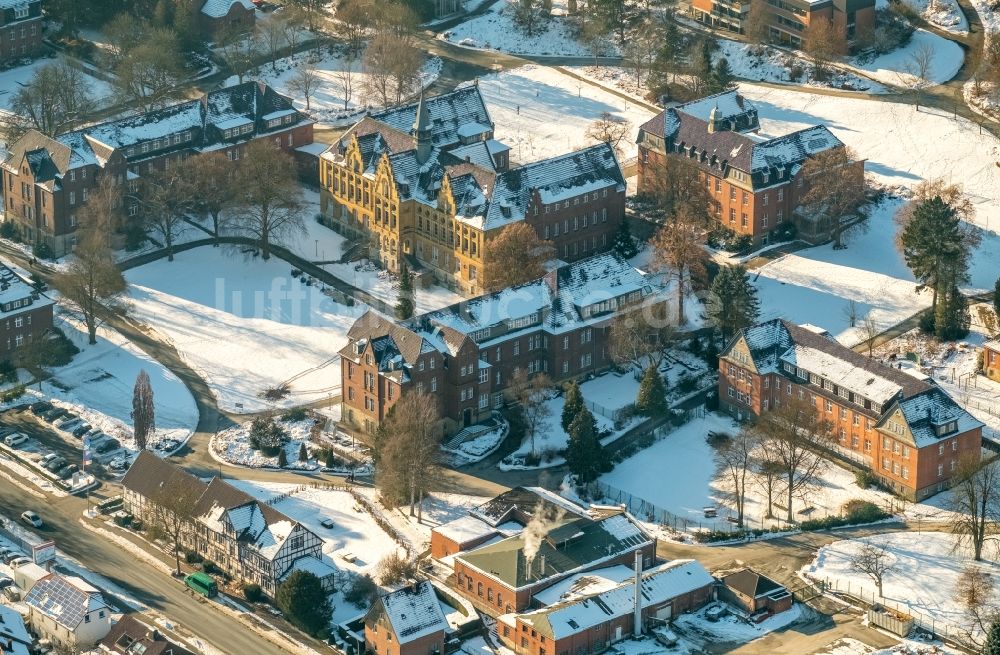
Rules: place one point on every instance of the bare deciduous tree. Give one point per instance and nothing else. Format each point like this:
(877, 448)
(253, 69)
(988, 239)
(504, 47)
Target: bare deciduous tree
(634, 339)
(975, 502)
(514, 256)
(304, 82)
(836, 191)
(167, 198)
(173, 509)
(240, 53)
(409, 455)
(734, 455)
(51, 102)
(149, 74)
(530, 392)
(610, 129)
(211, 177)
(791, 435)
(678, 252)
(821, 44)
(269, 196)
(392, 68)
(875, 561)
(345, 80)
(871, 330)
(974, 590)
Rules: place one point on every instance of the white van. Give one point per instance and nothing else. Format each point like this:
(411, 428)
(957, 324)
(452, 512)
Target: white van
(15, 440)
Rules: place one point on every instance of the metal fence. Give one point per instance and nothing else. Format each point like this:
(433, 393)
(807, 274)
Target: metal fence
(613, 414)
(942, 630)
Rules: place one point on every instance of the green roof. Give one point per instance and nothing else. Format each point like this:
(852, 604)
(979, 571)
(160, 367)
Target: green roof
(572, 544)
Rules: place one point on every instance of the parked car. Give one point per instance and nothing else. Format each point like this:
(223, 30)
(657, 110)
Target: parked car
(54, 413)
(167, 445)
(11, 556)
(20, 561)
(107, 446)
(12, 593)
(120, 463)
(56, 463)
(65, 419)
(327, 523)
(46, 458)
(5, 581)
(31, 518)
(81, 430)
(40, 407)
(94, 435)
(65, 472)
(15, 440)
(69, 426)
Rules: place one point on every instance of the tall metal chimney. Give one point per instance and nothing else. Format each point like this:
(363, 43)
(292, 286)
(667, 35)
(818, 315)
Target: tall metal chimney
(637, 617)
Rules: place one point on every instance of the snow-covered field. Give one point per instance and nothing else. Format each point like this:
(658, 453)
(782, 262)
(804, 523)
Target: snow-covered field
(245, 325)
(926, 568)
(385, 285)
(496, 30)
(678, 474)
(773, 66)
(14, 78)
(98, 384)
(354, 533)
(849, 646)
(540, 112)
(340, 91)
(814, 285)
(900, 67)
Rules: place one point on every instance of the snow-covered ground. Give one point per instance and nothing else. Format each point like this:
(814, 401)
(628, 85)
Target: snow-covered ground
(678, 474)
(900, 67)
(540, 112)
(97, 385)
(339, 78)
(697, 631)
(922, 581)
(496, 30)
(945, 14)
(353, 534)
(14, 78)
(815, 284)
(384, 285)
(773, 66)
(849, 646)
(245, 325)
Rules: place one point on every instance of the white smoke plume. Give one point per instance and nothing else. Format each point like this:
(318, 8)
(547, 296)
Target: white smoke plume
(543, 519)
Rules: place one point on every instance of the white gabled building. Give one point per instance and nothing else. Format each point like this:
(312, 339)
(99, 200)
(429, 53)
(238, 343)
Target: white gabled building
(68, 612)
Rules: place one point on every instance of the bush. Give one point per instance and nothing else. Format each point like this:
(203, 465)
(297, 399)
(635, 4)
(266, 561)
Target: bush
(58, 351)
(9, 230)
(209, 567)
(786, 232)
(282, 458)
(303, 601)
(926, 322)
(795, 72)
(394, 569)
(191, 557)
(267, 436)
(252, 592)
(13, 393)
(303, 452)
(8, 372)
(42, 250)
(856, 512)
(722, 238)
(293, 415)
(361, 591)
(864, 479)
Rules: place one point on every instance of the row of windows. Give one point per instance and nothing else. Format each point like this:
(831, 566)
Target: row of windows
(585, 198)
(577, 222)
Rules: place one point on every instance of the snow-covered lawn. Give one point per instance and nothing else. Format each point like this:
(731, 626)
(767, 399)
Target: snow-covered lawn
(814, 285)
(941, 13)
(336, 75)
(98, 383)
(496, 30)
(384, 285)
(678, 474)
(540, 112)
(926, 569)
(849, 646)
(773, 66)
(245, 325)
(900, 67)
(353, 533)
(12, 79)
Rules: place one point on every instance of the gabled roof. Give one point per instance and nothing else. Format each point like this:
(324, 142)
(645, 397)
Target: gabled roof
(12, 631)
(571, 544)
(413, 612)
(64, 599)
(750, 583)
(929, 409)
(224, 506)
(130, 636)
(659, 585)
(152, 477)
(993, 344)
(221, 8)
(35, 146)
(448, 114)
(372, 325)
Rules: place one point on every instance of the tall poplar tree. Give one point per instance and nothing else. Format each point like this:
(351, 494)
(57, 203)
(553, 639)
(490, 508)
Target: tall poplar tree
(143, 412)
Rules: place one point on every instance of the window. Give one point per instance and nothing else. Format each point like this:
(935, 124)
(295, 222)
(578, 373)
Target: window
(21, 12)
(829, 406)
(940, 470)
(781, 196)
(434, 384)
(72, 198)
(484, 375)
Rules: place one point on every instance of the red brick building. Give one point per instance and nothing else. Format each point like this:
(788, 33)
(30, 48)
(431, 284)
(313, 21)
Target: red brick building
(46, 181)
(907, 431)
(227, 16)
(991, 360)
(406, 622)
(25, 314)
(754, 182)
(20, 30)
(593, 623)
(788, 20)
(465, 354)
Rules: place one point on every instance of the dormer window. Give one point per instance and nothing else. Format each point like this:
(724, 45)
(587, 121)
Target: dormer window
(766, 177)
(21, 12)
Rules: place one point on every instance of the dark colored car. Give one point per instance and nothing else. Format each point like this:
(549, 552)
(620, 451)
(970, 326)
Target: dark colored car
(107, 446)
(56, 464)
(40, 407)
(67, 471)
(5, 582)
(11, 556)
(53, 414)
(81, 430)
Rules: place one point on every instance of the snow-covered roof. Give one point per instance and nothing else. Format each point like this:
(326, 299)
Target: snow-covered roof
(10, 4)
(930, 410)
(221, 8)
(792, 148)
(725, 105)
(13, 632)
(65, 599)
(659, 585)
(465, 529)
(13, 290)
(843, 373)
(414, 612)
(584, 584)
(321, 568)
(449, 114)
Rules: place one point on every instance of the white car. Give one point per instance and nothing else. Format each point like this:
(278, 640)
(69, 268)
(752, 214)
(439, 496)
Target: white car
(19, 562)
(31, 518)
(15, 440)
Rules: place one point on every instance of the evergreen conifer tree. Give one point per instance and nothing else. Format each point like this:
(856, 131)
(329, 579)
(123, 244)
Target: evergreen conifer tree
(303, 452)
(992, 646)
(584, 454)
(652, 398)
(996, 298)
(951, 316)
(282, 457)
(935, 248)
(732, 301)
(404, 305)
(572, 405)
(624, 244)
(722, 76)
